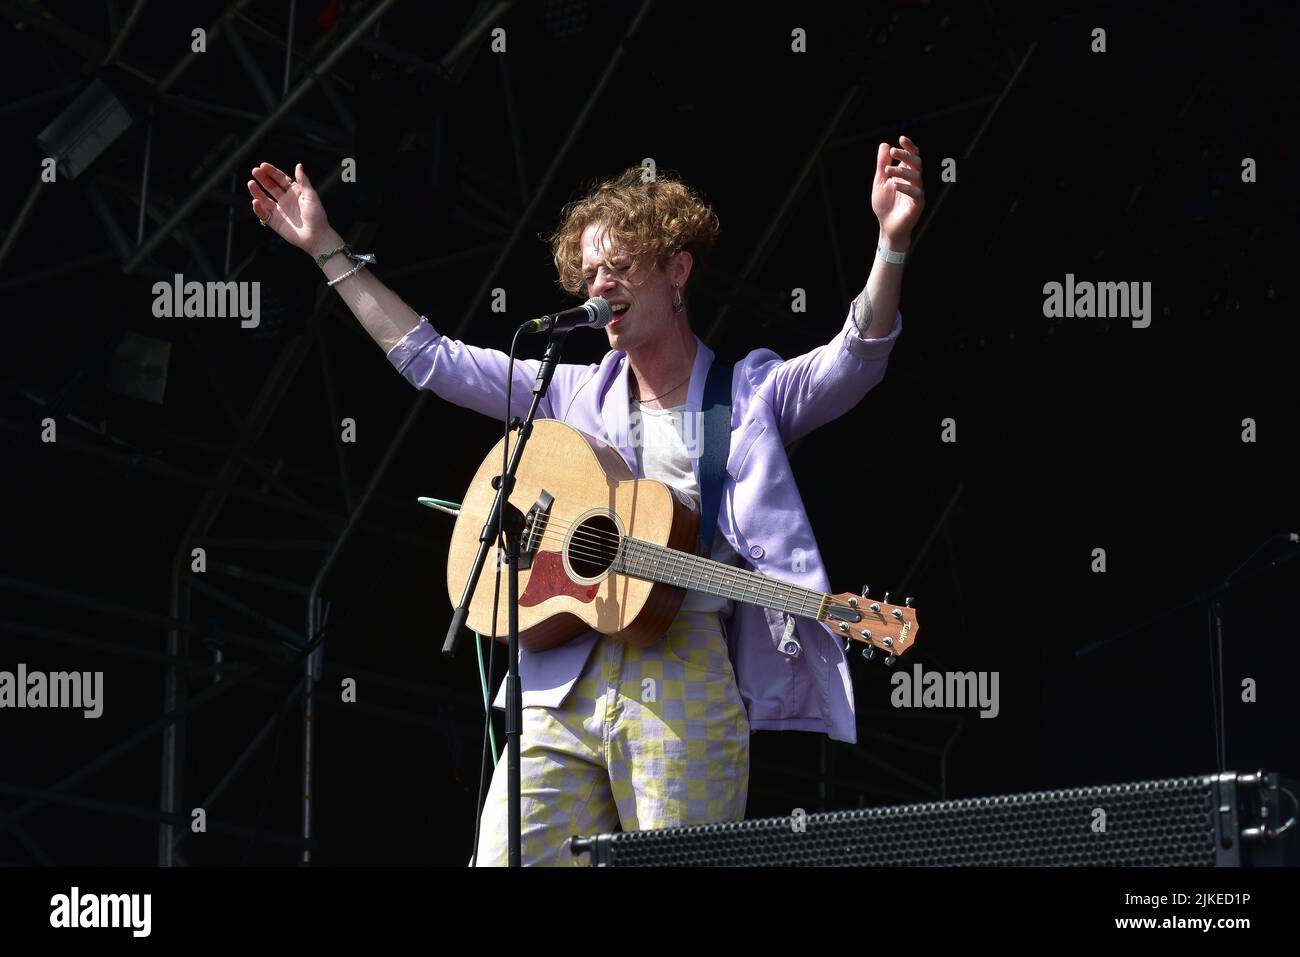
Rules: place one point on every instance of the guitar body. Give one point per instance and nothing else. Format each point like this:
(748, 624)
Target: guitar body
(569, 586)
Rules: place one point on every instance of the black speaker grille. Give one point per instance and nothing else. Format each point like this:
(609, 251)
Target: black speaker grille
(1169, 823)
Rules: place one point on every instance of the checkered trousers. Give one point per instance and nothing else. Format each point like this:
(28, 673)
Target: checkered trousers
(648, 738)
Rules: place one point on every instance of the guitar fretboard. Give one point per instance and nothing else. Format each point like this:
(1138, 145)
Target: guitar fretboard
(660, 564)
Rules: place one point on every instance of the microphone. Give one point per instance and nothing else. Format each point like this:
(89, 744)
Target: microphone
(594, 313)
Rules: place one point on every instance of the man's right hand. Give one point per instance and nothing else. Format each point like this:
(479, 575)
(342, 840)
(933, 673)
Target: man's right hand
(292, 208)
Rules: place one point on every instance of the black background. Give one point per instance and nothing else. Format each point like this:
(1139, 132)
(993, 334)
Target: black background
(1073, 434)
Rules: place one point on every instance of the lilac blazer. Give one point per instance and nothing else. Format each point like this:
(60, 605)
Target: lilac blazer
(774, 402)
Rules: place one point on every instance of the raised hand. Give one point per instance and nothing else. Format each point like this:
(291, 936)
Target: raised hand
(290, 206)
(897, 194)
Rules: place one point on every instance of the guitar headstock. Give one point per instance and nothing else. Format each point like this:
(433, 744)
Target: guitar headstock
(873, 623)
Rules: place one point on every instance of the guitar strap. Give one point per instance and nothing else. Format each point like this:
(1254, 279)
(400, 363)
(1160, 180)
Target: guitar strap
(716, 430)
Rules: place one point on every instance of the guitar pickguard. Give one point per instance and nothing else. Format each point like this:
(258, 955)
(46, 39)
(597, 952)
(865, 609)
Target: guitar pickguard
(550, 579)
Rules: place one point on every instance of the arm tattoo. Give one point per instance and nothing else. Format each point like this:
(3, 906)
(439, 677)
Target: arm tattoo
(862, 312)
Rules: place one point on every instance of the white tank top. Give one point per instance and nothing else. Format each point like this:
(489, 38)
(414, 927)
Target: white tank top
(664, 440)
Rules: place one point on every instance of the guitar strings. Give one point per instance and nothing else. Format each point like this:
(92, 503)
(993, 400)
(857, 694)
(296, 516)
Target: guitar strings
(601, 540)
(602, 546)
(554, 534)
(598, 545)
(772, 585)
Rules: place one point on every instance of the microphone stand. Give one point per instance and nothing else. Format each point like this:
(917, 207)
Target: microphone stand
(1214, 597)
(506, 518)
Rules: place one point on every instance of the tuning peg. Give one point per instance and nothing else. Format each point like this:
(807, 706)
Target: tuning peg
(865, 591)
(890, 659)
(907, 602)
(898, 615)
(886, 598)
(869, 652)
(848, 645)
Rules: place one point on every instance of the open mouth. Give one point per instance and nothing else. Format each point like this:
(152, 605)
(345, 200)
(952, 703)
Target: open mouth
(620, 309)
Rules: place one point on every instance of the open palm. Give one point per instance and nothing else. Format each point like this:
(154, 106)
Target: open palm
(291, 207)
(897, 192)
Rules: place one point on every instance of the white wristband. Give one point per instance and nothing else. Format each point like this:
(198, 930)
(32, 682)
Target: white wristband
(890, 256)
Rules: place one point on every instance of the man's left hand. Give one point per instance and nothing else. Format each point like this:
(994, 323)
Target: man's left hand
(897, 194)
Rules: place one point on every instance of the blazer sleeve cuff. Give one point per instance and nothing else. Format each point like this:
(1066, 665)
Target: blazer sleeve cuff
(871, 348)
(411, 344)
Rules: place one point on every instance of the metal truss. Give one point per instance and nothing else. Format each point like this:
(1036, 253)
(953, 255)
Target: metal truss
(293, 662)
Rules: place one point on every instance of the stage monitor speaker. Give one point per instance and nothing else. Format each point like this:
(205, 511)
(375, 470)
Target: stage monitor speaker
(1227, 820)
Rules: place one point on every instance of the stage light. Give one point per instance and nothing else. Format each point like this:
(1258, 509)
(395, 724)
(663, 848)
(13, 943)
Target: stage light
(139, 367)
(86, 129)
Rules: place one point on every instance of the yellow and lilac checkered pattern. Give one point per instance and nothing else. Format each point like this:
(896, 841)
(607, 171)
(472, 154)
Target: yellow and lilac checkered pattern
(648, 738)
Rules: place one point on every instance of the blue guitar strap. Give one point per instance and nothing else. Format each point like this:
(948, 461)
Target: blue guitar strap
(716, 434)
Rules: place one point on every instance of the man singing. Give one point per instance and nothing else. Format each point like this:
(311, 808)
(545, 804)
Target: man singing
(596, 756)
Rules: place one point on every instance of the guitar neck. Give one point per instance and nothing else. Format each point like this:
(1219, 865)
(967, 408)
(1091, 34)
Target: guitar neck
(660, 564)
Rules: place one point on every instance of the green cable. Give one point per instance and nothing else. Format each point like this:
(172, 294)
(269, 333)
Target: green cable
(478, 645)
(487, 706)
(438, 501)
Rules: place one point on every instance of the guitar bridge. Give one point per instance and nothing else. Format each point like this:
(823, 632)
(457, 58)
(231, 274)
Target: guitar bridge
(534, 528)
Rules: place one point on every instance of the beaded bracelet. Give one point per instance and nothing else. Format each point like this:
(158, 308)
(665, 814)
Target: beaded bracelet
(351, 272)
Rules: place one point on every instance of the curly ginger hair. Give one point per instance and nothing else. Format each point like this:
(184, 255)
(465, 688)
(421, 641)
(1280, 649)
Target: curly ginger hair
(650, 221)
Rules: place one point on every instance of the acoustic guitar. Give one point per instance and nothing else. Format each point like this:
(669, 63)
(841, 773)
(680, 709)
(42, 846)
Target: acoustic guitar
(602, 549)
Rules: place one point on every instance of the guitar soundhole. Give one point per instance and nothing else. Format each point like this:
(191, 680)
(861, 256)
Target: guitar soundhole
(592, 546)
